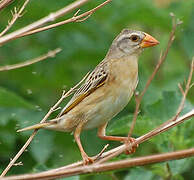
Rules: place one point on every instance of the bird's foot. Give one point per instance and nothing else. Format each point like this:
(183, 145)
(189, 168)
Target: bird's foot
(86, 159)
(130, 149)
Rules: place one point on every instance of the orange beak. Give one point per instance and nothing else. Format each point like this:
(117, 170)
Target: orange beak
(148, 41)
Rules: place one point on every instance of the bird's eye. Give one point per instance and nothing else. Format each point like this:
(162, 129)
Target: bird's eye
(134, 38)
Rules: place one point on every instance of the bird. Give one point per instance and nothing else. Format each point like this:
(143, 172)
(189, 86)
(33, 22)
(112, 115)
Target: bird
(105, 92)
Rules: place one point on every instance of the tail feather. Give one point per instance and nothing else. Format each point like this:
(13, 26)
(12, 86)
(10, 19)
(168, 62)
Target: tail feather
(36, 126)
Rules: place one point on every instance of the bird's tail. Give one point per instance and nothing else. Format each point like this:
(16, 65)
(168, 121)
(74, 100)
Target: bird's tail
(36, 126)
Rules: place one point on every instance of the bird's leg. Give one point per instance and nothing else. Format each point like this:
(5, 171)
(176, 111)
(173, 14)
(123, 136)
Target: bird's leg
(126, 140)
(85, 157)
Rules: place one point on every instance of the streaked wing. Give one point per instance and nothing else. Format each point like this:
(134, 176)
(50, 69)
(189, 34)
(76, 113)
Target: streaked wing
(95, 79)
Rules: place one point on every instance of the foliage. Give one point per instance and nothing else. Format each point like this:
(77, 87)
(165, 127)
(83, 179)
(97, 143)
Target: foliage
(27, 93)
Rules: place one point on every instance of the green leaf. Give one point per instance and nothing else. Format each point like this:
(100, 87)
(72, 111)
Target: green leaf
(24, 117)
(11, 99)
(159, 169)
(180, 166)
(39, 168)
(42, 146)
(139, 174)
(164, 108)
(121, 126)
(70, 178)
(188, 38)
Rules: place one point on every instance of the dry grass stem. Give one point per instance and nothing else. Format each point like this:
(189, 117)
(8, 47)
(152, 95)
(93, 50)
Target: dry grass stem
(188, 86)
(15, 15)
(181, 89)
(184, 94)
(50, 54)
(156, 69)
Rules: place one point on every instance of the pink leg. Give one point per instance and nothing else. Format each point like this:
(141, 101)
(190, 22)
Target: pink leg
(126, 140)
(77, 133)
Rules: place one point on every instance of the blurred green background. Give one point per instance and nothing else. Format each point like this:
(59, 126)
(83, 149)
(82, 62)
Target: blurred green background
(26, 94)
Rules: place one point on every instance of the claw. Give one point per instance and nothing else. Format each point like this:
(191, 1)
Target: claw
(130, 150)
(86, 159)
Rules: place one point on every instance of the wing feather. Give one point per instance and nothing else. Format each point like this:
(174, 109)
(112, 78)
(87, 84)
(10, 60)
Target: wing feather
(95, 80)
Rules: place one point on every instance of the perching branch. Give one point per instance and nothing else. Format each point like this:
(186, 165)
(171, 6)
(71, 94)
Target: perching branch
(99, 166)
(162, 58)
(15, 15)
(52, 109)
(50, 54)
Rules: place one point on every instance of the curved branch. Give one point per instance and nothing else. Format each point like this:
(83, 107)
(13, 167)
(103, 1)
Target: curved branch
(76, 18)
(50, 54)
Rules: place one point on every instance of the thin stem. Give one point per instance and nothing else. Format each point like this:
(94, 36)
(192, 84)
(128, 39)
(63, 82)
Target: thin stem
(15, 16)
(181, 106)
(50, 54)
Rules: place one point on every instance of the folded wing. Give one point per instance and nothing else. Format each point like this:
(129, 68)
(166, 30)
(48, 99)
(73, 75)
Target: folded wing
(95, 80)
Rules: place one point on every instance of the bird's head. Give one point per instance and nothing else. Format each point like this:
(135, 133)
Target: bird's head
(131, 42)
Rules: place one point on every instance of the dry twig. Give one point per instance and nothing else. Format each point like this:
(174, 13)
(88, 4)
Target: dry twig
(76, 18)
(50, 54)
(50, 18)
(5, 3)
(188, 86)
(15, 15)
(162, 58)
(52, 109)
(184, 94)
